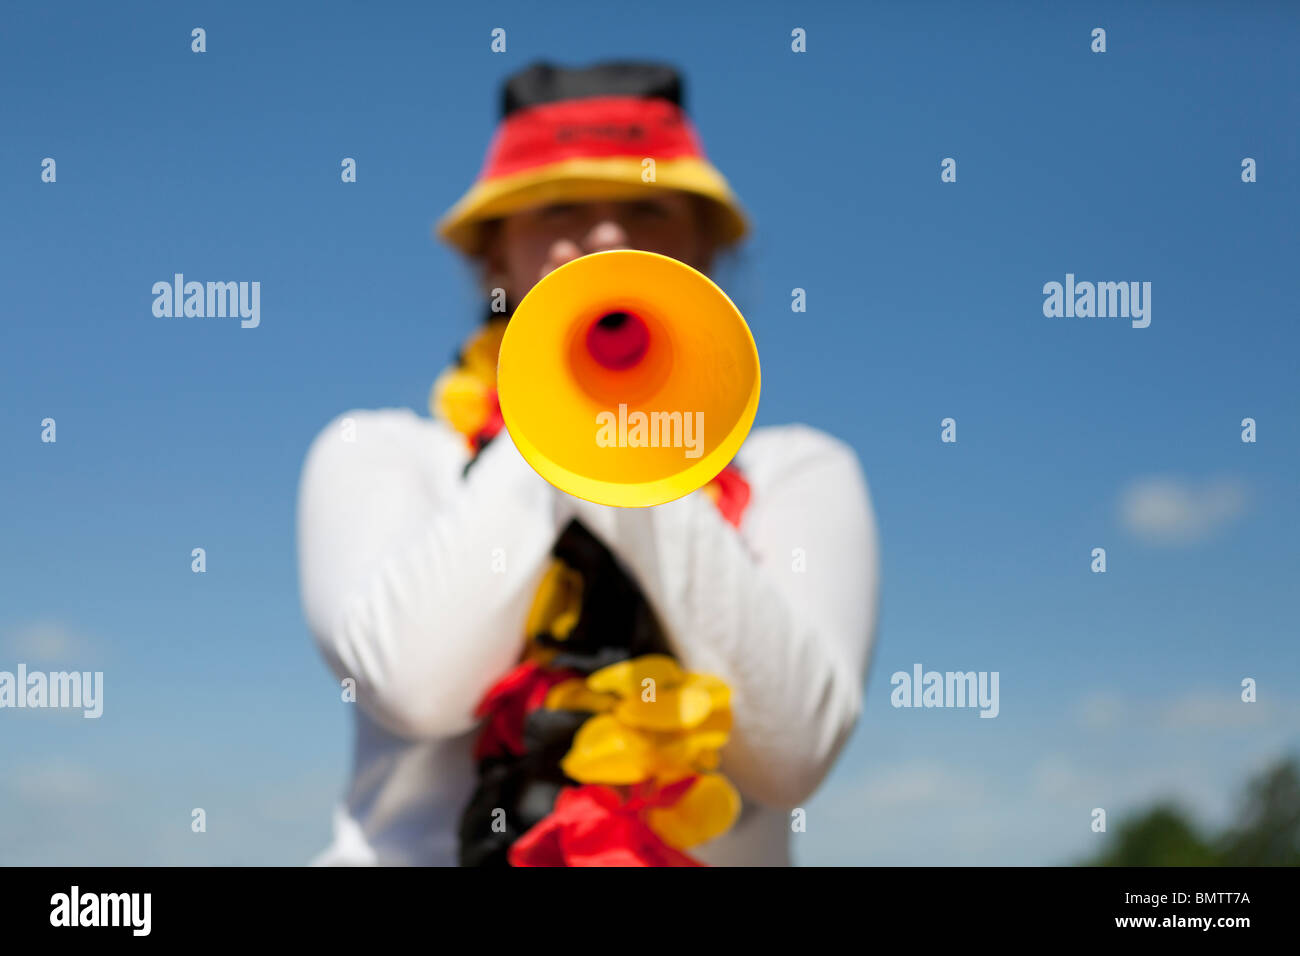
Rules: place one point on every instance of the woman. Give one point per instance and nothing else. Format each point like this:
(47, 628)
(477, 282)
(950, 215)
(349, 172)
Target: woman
(545, 681)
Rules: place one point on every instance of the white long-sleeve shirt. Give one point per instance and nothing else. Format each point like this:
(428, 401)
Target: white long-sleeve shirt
(416, 582)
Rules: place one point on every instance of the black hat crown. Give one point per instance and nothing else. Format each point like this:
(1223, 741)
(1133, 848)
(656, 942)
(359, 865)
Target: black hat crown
(545, 82)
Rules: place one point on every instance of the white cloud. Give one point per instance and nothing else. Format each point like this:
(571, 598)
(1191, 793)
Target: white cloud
(1167, 510)
(1197, 711)
(1208, 710)
(916, 783)
(1055, 778)
(50, 642)
(57, 784)
(1102, 711)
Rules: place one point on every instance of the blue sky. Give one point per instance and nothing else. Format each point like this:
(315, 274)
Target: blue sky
(924, 302)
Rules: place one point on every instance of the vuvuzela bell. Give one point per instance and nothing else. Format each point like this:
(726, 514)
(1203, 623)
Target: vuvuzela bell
(627, 378)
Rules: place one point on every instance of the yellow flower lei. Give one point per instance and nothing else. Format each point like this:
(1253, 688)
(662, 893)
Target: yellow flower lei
(652, 723)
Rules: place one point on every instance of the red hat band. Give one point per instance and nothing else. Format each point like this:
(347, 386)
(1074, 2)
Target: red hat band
(593, 127)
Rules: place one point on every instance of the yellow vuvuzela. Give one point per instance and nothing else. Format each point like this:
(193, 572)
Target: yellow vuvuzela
(627, 378)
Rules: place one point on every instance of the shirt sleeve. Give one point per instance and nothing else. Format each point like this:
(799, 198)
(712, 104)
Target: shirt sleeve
(783, 611)
(414, 578)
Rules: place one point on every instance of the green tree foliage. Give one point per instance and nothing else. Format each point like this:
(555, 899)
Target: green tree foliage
(1266, 833)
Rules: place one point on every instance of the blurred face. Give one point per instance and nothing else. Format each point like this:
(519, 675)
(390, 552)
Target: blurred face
(527, 245)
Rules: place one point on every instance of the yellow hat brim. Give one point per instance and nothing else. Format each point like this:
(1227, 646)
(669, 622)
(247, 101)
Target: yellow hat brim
(587, 180)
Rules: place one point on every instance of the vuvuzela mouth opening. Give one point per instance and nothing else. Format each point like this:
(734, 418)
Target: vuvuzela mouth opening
(618, 340)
